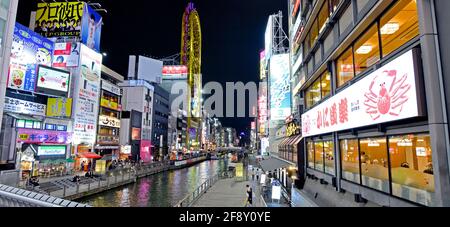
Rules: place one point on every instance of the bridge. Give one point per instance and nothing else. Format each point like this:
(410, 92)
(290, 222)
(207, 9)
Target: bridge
(15, 197)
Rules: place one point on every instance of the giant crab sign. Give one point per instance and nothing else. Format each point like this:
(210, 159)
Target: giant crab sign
(389, 98)
(388, 94)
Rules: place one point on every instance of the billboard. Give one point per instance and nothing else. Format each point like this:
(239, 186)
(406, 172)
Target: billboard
(86, 96)
(170, 70)
(388, 94)
(280, 87)
(66, 55)
(146, 155)
(262, 108)
(59, 107)
(59, 19)
(91, 28)
(269, 38)
(28, 50)
(150, 69)
(20, 106)
(52, 81)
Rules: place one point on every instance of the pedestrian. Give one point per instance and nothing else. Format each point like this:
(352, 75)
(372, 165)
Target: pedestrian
(249, 201)
(82, 166)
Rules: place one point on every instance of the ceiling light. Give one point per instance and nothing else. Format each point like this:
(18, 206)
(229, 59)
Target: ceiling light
(390, 28)
(364, 49)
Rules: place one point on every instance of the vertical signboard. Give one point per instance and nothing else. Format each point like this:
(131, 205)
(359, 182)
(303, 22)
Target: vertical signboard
(269, 38)
(86, 96)
(280, 87)
(263, 65)
(28, 50)
(262, 108)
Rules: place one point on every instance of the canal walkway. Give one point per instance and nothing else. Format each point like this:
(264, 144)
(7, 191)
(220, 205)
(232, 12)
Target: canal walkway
(65, 188)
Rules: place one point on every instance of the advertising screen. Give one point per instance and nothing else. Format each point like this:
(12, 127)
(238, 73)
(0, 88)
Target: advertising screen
(86, 96)
(52, 81)
(280, 87)
(146, 155)
(51, 150)
(388, 94)
(91, 28)
(28, 50)
(58, 19)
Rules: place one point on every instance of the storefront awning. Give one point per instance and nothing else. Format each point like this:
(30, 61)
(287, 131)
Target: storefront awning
(283, 142)
(89, 155)
(24, 117)
(273, 164)
(296, 140)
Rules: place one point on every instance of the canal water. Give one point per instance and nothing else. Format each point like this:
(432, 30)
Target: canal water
(159, 190)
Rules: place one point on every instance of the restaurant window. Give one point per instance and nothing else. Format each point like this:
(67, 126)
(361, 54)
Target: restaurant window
(325, 84)
(346, 19)
(374, 163)
(310, 151)
(367, 51)
(350, 160)
(313, 94)
(328, 148)
(323, 17)
(318, 156)
(345, 70)
(411, 165)
(399, 25)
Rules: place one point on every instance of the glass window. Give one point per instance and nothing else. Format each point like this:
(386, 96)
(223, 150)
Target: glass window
(374, 163)
(28, 124)
(328, 147)
(346, 19)
(313, 94)
(367, 51)
(333, 5)
(399, 25)
(325, 83)
(412, 168)
(37, 125)
(323, 17)
(328, 43)
(314, 33)
(350, 160)
(317, 57)
(20, 124)
(50, 127)
(318, 156)
(361, 4)
(310, 150)
(345, 70)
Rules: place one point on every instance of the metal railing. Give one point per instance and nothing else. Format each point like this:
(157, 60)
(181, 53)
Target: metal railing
(192, 197)
(15, 197)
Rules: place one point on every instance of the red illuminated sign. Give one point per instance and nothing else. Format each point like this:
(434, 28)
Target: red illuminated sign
(174, 70)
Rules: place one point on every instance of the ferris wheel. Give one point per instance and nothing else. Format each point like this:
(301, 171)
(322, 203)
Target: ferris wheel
(191, 56)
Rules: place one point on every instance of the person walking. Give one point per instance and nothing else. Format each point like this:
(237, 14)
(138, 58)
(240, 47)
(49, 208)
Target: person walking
(249, 202)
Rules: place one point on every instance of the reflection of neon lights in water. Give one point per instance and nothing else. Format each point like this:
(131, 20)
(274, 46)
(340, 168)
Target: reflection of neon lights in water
(143, 194)
(125, 198)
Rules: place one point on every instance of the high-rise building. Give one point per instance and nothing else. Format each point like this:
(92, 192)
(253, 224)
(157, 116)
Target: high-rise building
(370, 83)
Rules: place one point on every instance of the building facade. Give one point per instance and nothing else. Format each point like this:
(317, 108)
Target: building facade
(365, 75)
(8, 11)
(138, 98)
(160, 121)
(110, 114)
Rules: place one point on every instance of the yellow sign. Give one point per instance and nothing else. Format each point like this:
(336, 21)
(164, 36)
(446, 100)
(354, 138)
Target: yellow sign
(59, 107)
(293, 129)
(108, 104)
(24, 136)
(100, 166)
(239, 170)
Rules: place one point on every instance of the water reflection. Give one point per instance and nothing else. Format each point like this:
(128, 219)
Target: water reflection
(160, 190)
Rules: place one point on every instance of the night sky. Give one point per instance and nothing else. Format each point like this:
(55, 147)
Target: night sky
(233, 35)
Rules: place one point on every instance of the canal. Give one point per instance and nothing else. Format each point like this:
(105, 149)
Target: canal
(159, 190)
